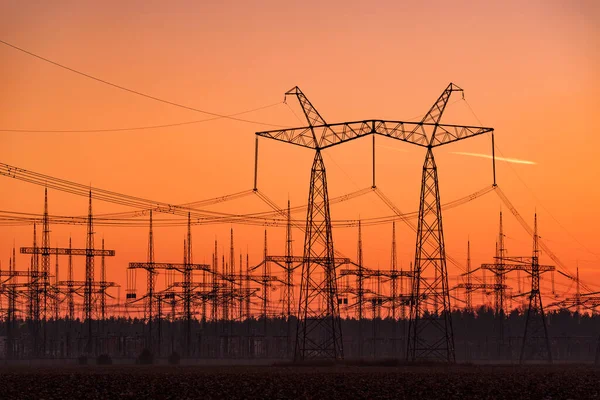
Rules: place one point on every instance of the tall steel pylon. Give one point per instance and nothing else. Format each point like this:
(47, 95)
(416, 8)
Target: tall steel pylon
(70, 286)
(319, 135)
(89, 276)
(187, 287)
(430, 333)
(45, 260)
(37, 287)
(535, 320)
(468, 291)
(360, 294)
(318, 331)
(150, 285)
(288, 293)
(430, 324)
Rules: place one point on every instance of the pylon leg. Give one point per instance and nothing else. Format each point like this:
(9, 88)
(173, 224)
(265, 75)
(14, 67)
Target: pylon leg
(535, 329)
(430, 335)
(318, 333)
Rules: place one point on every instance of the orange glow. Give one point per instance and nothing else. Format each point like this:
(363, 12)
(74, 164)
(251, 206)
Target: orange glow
(529, 69)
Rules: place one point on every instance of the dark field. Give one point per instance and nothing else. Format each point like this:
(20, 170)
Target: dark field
(342, 382)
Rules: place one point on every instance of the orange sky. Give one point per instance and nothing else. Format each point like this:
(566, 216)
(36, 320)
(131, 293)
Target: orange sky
(529, 69)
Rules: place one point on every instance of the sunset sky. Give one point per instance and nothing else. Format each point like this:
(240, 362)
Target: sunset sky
(528, 69)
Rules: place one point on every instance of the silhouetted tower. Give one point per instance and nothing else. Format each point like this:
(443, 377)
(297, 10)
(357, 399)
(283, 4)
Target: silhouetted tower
(230, 274)
(403, 282)
(394, 280)
(45, 261)
(265, 286)
(394, 291)
(318, 332)
(288, 293)
(70, 286)
(242, 292)
(360, 294)
(224, 289)
(55, 291)
(247, 291)
(150, 284)
(103, 286)
(225, 305)
(215, 287)
(430, 333)
(578, 294)
(89, 276)
(205, 296)
(13, 268)
(11, 310)
(499, 290)
(318, 249)
(468, 291)
(535, 320)
(187, 286)
(34, 296)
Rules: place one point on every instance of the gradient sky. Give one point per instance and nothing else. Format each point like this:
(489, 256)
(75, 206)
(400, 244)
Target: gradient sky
(529, 69)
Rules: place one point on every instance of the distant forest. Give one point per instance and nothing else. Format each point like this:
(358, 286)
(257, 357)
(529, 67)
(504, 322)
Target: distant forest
(479, 336)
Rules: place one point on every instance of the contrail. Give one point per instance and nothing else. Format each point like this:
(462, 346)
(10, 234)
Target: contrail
(510, 160)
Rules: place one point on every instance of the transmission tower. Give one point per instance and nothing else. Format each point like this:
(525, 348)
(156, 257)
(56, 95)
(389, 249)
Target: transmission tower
(45, 262)
(318, 332)
(288, 293)
(536, 329)
(88, 284)
(89, 276)
(150, 284)
(500, 275)
(319, 135)
(360, 280)
(469, 292)
(535, 321)
(430, 330)
(55, 291)
(70, 288)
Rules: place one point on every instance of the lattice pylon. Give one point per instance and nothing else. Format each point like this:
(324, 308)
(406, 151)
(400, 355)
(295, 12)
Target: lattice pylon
(318, 333)
(430, 335)
(536, 342)
(89, 277)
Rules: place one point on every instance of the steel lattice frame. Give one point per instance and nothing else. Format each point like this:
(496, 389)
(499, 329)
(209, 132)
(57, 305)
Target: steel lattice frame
(430, 254)
(430, 326)
(535, 321)
(319, 333)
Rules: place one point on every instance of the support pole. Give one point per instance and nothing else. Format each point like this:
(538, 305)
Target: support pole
(373, 185)
(255, 163)
(493, 159)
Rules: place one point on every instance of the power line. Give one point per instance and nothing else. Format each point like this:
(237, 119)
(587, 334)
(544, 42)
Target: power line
(533, 195)
(136, 128)
(135, 91)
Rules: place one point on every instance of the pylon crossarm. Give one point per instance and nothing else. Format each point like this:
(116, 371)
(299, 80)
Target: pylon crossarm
(170, 266)
(452, 133)
(67, 251)
(517, 267)
(417, 133)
